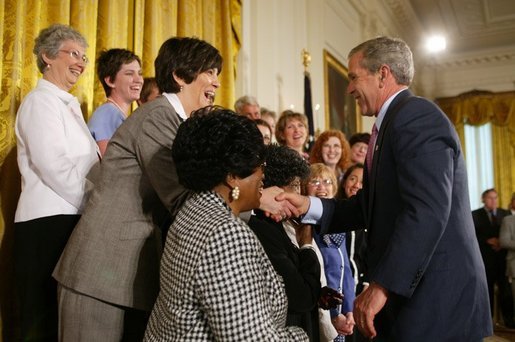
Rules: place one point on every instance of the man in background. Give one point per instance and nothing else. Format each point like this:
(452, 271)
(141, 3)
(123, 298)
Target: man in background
(487, 222)
(248, 106)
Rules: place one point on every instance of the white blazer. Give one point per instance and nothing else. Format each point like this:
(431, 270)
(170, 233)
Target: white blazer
(55, 153)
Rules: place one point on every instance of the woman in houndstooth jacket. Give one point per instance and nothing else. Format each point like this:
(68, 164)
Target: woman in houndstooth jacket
(216, 280)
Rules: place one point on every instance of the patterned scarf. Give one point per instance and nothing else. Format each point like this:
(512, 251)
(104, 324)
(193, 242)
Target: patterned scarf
(334, 239)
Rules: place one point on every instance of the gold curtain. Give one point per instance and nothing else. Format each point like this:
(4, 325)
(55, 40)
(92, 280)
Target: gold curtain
(138, 25)
(478, 108)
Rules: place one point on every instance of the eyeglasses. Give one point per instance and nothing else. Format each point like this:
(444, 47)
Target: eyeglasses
(76, 55)
(317, 182)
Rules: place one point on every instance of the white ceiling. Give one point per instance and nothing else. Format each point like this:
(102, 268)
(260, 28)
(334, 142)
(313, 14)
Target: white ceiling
(470, 26)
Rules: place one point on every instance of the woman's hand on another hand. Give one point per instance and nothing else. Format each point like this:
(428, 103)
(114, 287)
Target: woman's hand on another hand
(274, 207)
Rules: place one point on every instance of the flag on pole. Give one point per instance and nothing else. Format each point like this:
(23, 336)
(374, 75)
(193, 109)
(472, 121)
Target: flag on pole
(308, 105)
(308, 110)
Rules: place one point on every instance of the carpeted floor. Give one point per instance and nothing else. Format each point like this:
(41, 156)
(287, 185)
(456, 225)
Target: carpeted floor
(502, 335)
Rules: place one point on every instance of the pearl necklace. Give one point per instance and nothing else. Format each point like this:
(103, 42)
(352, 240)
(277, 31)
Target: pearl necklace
(117, 106)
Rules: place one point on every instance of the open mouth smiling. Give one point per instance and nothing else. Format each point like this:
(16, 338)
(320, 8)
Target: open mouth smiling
(210, 96)
(76, 72)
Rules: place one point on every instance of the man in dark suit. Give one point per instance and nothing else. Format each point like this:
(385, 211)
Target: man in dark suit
(427, 281)
(487, 222)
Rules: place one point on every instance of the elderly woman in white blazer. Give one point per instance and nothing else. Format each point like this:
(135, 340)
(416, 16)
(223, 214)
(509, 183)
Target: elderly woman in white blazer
(55, 153)
(507, 240)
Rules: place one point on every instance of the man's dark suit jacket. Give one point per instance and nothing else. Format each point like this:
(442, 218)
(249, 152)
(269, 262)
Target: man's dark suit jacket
(421, 242)
(484, 231)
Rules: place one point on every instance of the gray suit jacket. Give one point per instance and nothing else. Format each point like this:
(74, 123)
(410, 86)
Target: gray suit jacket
(114, 252)
(507, 240)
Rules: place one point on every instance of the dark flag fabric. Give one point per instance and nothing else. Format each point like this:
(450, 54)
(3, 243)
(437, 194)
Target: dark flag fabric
(308, 110)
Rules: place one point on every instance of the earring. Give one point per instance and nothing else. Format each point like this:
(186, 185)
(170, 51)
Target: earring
(180, 89)
(235, 193)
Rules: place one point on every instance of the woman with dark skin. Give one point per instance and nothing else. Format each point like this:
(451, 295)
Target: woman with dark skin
(298, 266)
(216, 281)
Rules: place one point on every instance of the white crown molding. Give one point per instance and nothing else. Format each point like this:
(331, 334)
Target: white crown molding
(458, 86)
(478, 58)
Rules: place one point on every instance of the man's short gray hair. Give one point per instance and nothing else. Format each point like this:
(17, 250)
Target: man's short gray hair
(243, 101)
(393, 52)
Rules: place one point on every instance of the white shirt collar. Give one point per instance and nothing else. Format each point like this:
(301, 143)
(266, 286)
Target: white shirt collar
(384, 108)
(176, 104)
(62, 94)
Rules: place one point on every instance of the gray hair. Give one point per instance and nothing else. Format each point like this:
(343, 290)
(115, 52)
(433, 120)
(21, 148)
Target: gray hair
(243, 101)
(50, 39)
(393, 52)
(268, 112)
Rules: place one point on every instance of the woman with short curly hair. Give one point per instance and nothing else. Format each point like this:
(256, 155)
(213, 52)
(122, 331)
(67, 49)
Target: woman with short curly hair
(216, 282)
(291, 251)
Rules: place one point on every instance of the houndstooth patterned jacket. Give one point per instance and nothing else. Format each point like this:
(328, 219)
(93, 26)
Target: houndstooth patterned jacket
(217, 282)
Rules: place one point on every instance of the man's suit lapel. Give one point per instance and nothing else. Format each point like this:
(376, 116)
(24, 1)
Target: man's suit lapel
(394, 107)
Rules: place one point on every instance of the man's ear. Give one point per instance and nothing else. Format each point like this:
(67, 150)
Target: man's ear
(384, 71)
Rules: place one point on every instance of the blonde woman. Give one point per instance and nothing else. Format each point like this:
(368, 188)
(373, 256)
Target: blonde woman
(322, 183)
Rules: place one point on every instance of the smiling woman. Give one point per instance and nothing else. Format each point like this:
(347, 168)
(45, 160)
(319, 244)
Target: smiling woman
(292, 130)
(119, 71)
(217, 283)
(193, 81)
(135, 195)
(65, 66)
(55, 152)
(332, 149)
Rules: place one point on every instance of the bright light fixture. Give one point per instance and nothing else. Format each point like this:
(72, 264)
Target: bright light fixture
(436, 44)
